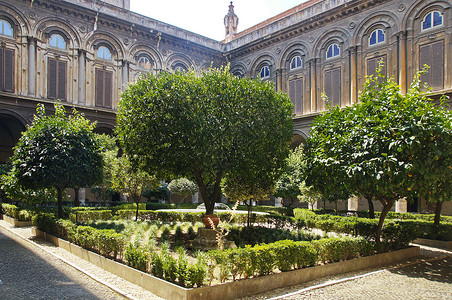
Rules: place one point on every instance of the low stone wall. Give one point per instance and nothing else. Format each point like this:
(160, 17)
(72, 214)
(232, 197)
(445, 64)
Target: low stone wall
(434, 243)
(231, 290)
(17, 223)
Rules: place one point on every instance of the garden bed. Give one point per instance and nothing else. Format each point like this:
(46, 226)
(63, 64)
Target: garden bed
(17, 223)
(235, 289)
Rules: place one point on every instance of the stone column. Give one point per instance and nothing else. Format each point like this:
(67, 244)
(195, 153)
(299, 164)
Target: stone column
(125, 74)
(402, 61)
(353, 76)
(31, 66)
(401, 206)
(312, 77)
(82, 196)
(279, 79)
(353, 204)
(81, 76)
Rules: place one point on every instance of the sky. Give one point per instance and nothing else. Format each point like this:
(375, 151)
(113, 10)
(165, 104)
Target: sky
(206, 17)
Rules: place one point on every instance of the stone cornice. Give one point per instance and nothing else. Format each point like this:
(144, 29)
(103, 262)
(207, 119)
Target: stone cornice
(125, 21)
(299, 23)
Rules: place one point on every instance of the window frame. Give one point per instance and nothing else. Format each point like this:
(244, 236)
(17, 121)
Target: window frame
(296, 57)
(332, 51)
(145, 57)
(266, 71)
(432, 25)
(101, 57)
(377, 41)
(2, 23)
(56, 46)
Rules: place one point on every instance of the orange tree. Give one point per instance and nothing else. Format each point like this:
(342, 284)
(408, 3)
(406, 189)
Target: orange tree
(388, 146)
(58, 152)
(204, 127)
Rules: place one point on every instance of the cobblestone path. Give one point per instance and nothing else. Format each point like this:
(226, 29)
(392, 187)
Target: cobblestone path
(27, 272)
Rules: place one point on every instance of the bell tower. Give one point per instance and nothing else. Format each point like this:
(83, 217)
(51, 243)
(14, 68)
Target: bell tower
(230, 23)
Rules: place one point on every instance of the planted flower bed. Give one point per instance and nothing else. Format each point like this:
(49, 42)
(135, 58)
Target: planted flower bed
(158, 248)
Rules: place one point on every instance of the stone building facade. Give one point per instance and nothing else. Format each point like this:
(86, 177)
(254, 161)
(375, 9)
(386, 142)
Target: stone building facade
(83, 52)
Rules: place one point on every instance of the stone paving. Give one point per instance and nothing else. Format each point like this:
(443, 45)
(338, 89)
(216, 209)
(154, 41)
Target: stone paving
(34, 274)
(47, 277)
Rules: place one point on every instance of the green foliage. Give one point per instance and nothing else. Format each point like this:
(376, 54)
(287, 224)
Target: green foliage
(131, 181)
(396, 233)
(256, 235)
(203, 128)
(387, 146)
(57, 151)
(287, 255)
(288, 184)
(183, 187)
(10, 187)
(136, 257)
(17, 213)
(160, 193)
(90, 215)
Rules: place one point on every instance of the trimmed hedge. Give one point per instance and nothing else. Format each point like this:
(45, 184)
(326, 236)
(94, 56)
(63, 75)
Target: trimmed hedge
(103, 241)
(287, 255)
(15, 212)
(396, 233)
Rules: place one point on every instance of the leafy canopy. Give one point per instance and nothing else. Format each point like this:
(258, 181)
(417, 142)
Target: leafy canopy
(57, 151)
(388, 145)
(203, 128)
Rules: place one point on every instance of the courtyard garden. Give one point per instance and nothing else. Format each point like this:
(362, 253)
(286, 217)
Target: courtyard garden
(223, 136)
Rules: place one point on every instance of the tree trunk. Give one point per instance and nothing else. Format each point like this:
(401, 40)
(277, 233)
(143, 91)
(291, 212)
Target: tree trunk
(250, 209)
(336, 206)
(387, 205)
(438, 207)
(104, 195)
(137, 202)
(76, 197)
(60, 201)
(208, 201)
(371, 208)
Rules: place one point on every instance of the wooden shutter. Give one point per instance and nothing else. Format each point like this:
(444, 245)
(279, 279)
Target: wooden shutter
(296, 94)
(333, 86)
(52, 79)
(99, 87)
(103, 88)
(61, 80)
(336, 86)
(292, 93)
(6, 70)
(433, 55)
(107, 87)
(437, 67)
(372, 65)
(9, 70)
(2, 69)
(328, 88)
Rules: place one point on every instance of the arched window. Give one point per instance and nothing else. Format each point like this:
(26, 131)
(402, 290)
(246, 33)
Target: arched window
(179, 67)
(144, 63)
(432, 19)
(332, 51)
(265, 72)
(295, 63)
(376, 37)
(238, 74)
(6, 28)
(57, 41)
(104, 53)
